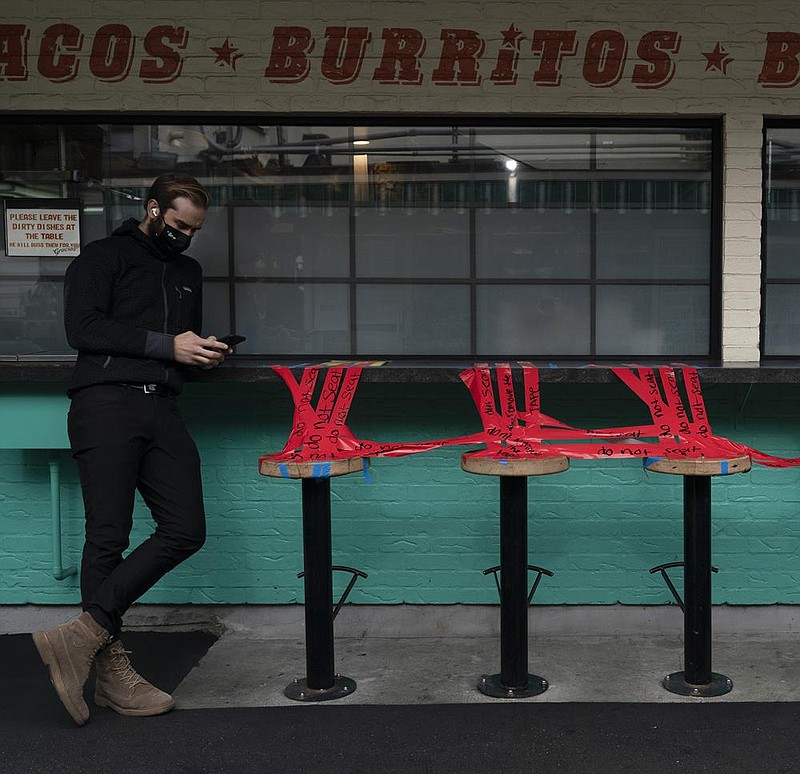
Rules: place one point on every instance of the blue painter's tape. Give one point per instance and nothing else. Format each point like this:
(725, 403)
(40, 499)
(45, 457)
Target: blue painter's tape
(321, 470)
(724, 467)
(284, 470)
(648, 461)
(365, 467)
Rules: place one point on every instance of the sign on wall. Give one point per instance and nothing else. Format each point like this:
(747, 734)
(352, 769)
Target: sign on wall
(499, 53)
(43, 227)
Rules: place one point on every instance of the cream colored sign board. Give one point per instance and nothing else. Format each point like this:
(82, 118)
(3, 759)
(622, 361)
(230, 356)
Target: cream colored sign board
(42, 231)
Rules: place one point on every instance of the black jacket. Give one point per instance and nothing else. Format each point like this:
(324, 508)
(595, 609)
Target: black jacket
(123, 303)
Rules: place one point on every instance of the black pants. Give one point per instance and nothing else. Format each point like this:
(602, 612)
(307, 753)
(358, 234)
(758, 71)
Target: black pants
(122, 440)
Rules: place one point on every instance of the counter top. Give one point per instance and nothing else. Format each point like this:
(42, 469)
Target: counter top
(242, 369)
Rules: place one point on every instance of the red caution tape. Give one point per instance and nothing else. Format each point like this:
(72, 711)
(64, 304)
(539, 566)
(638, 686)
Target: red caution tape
(320, 433)
(679, 428)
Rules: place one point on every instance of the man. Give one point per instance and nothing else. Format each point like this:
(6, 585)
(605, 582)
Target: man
(133, 309)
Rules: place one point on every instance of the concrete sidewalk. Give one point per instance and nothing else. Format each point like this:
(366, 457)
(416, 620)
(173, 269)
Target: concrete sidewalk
(436, 654)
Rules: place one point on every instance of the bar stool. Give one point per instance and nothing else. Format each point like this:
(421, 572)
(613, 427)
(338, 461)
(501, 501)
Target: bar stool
(697, 679)
(513, 681)
(321, 683)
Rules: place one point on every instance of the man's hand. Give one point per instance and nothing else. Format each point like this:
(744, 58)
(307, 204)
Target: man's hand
(191, 349)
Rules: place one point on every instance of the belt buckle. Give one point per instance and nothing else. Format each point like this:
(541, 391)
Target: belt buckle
(150, 388)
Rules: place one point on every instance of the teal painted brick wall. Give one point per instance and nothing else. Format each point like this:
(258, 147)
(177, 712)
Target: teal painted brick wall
(423, 529)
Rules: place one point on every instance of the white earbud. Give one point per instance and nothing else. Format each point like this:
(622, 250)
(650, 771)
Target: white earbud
(155, 212)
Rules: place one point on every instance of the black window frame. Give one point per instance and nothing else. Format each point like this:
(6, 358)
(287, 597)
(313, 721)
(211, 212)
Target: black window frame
(711, 123)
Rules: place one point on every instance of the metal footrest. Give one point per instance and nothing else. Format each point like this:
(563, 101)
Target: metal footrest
(662, 568)
(532, 567)
(356, 574)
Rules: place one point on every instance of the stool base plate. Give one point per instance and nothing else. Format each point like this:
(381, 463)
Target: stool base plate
(492, 685)
(299, 690)
(718, 685)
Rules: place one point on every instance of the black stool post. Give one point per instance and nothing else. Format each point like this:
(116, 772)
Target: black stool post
(318, 582)
(513, 681)
(697, 579)
(514, 582)
(697, 679)
(321, 682)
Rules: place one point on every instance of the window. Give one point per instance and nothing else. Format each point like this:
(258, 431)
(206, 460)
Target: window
(471, 240)
(780, 326)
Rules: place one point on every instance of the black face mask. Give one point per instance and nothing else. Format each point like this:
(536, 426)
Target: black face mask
(171, 241)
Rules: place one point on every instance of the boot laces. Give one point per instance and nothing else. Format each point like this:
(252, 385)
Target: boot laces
(122, 667)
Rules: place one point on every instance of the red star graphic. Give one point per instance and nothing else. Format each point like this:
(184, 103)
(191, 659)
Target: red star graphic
(226, 54)
(510, 36)
(718, 59)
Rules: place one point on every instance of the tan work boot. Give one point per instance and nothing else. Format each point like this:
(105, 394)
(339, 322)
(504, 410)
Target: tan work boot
(68, 650)
(121, 688)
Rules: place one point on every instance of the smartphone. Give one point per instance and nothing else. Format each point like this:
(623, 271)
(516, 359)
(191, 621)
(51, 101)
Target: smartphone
(232, 339)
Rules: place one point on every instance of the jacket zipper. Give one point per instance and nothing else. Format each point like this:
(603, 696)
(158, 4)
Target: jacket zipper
(164, 294)
(166, 308)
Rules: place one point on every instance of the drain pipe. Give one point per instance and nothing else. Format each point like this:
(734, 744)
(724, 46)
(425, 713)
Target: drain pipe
(59, 571)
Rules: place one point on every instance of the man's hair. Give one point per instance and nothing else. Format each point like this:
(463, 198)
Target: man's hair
(169, 186)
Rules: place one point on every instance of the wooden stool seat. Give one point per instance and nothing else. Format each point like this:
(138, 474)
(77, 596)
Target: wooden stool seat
(701, 466)
(514, 466)
(283, 469)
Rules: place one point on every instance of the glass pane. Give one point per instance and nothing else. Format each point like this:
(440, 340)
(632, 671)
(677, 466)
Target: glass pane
(658, 149)
(31, 317)
(412, 319)
(420, 147)
(216, 311)
(537, 149)
(309, 148)
(782, 239)
(652, 320)
(20, 266)
(782, 320)
(412, 196)
(531, 243)
(293, 319)
(289, 242)
(25, 149)
(667, 243)
(532, 320)
(93, 221)
(417, 244)
(210, 244)
(117, 212)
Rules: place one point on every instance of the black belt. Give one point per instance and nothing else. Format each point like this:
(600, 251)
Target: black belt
(150, 389)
